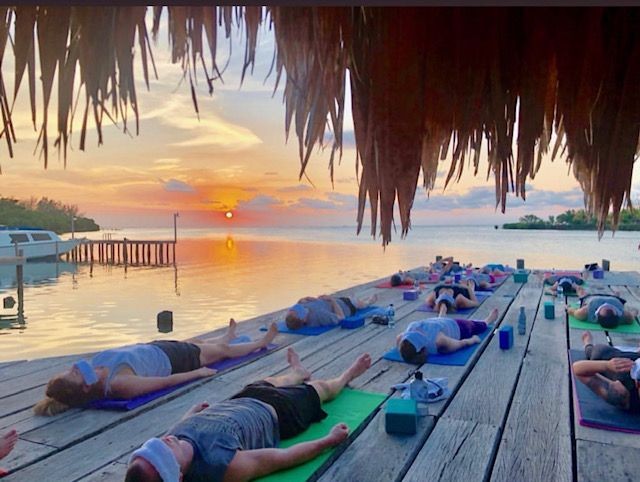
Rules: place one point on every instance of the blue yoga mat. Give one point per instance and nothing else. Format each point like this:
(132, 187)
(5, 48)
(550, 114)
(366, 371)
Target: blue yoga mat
(457, 358)
(594, 412)
(131, 403)
(481, 295)
(359, 315)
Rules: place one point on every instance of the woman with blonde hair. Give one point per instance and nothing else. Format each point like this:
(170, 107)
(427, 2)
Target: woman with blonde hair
(134, 370)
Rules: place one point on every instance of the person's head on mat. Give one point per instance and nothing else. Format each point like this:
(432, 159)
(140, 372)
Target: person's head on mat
(296, 317)
(608, 316)
(76, 387)
(397, 279)
(445, 302)
(237, 439)
(413, 348)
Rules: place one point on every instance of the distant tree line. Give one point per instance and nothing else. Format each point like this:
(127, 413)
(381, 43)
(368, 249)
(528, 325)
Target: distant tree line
(576, 219)
(44, 213)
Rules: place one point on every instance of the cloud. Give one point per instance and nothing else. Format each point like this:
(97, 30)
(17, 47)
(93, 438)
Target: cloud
(484, 197)
(259, 203)
(298, 188)
(271, 173)
(173, 185)
(345, 180)
(308, 203)
(343, 199)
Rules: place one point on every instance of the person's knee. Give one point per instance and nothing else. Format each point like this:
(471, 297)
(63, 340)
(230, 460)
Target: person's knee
(322, 388)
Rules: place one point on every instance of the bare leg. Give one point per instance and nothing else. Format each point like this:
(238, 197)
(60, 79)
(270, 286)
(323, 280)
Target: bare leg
(359, 304)
(329, 389)
(581, 291)
(431, 298)
(464, 302)
(297, 375)
(587, 338)
(7, 442)
(212, 352)
(442, 310)
(493, 316)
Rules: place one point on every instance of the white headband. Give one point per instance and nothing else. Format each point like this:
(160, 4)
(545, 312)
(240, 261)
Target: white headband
(635, 370)
(158, 454)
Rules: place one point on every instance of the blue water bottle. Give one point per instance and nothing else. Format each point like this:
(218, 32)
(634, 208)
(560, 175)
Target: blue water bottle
(391, 314)
(522, 322)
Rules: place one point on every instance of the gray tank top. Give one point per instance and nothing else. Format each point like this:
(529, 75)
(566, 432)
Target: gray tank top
(595, 302)
(143, 359)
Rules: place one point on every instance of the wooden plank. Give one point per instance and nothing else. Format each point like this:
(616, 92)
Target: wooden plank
(25, 451)
(536, 441)
(600, 461)
(495, 375)
(114, 472)
(457, 450)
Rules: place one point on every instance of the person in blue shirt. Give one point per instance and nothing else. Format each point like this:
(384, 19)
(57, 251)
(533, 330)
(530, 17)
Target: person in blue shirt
(324, 310)
(134, 370)
(440, 335)
(238, 439)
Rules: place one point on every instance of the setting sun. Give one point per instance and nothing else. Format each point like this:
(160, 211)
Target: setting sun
(228, 215)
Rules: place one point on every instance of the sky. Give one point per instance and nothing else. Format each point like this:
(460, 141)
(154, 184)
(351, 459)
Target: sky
(233, 158)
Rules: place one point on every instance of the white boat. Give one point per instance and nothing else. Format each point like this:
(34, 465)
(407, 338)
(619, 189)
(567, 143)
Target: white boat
(34, 243)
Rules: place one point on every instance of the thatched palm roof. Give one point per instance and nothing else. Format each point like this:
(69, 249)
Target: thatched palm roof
(426, 83)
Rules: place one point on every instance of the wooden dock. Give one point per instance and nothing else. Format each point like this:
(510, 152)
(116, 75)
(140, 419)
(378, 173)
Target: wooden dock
(128, 252)
(510, 417)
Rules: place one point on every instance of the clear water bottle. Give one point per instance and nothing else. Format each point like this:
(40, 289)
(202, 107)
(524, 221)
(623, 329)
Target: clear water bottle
(418, 388)
(522, 322)
(560, 291)
(391, 314)
(416, 285)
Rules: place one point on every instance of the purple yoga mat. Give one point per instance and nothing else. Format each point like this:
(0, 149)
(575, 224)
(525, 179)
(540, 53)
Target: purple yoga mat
(481, 295)
(131, 403)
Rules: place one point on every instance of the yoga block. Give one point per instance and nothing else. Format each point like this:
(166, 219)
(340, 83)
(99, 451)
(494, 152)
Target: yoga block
(520, 263)
(410, 295)
(505, 335)
(350, 324)
(520, 276)
(549, 310)
(598, 274)
(401, 416)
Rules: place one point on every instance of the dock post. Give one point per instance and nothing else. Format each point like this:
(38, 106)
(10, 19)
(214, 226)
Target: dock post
(605, 264)
(124, 252)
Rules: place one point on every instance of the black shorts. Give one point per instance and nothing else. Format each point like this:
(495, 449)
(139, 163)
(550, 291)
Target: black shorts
(297, 406)
(183, 356)
(349, 303)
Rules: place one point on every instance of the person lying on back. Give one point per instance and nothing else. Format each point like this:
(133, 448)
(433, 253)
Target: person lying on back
(569, 283)
(237, 439)
(607, 310)
(610, 373)
(454, 296)
(324, 310)
(440, 335)
(134, 370)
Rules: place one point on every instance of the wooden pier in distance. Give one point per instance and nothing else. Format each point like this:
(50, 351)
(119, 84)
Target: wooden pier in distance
(128, 252)
(510, 416)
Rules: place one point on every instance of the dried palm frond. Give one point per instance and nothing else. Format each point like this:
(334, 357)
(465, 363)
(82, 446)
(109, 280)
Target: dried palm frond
(427, 84)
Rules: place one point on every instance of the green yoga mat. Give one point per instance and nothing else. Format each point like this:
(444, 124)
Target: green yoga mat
(586, 325)
(351, 407)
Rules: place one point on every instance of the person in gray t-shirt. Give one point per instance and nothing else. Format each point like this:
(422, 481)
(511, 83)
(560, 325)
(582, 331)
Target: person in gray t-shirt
(324, 310)
(607, 310)
(237, 439)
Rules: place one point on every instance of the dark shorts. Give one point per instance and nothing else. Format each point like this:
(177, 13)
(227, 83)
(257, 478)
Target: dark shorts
(352, 307)
(183, 356)
(457, 290)
(468, 328)
(297, 406)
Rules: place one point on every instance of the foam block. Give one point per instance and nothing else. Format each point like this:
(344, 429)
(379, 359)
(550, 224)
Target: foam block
(351, 323)
(598, 274)
(520, 276)
(401, 416)
(549, 310)
(505, 334)
(410, 294)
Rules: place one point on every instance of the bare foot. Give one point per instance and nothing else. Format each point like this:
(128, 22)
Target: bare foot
(231, 331)
(271, 334)
(7, 442)
(339, 432)
(493, 316)
(296, 365)
(358, 367)
(587, 338)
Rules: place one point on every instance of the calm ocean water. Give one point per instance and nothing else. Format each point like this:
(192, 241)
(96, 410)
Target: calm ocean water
(243, 273)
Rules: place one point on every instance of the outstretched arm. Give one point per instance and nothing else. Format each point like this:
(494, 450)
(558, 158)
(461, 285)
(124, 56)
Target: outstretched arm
(613, 392)
(250, 464)
(129, 386)
(578, 313)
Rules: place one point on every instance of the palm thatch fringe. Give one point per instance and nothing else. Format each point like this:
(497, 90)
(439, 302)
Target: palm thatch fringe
(427, 83)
